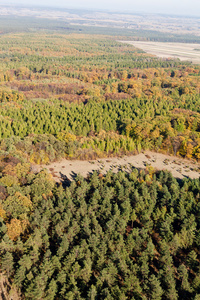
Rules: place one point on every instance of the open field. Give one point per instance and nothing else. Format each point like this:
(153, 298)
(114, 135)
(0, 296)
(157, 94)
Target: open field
(180, 168)
(183, 51)
(156, 25)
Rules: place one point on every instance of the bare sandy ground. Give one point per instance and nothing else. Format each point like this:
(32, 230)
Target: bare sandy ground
(183, 51)
(180, 168)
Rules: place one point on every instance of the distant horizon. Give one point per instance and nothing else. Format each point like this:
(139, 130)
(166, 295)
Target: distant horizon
(128, 7)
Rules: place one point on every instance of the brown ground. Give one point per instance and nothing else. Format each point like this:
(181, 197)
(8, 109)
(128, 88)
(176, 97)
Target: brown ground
(180, 168)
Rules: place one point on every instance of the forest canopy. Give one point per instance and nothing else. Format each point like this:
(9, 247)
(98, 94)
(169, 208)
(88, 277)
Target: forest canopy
(111, 97)
(113, 236)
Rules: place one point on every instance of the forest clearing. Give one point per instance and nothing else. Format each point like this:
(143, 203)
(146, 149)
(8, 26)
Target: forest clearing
(183, 51)
(180, 168)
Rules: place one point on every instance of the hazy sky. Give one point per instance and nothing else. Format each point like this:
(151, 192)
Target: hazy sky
(187, 7)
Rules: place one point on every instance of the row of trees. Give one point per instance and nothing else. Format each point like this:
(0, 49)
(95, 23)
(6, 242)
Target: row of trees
(45, 148)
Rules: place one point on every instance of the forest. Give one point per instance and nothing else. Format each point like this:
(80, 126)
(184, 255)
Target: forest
(121, 236)
(74, 95)
(95, 97)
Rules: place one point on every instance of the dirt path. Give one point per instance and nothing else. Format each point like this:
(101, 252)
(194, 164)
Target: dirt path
(180, 168)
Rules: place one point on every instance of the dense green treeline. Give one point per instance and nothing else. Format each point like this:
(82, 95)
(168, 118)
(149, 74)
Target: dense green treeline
(115, 237)
(45, 148)
(116, 126)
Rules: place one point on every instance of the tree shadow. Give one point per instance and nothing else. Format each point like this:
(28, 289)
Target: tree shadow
(65, 180)
(3, 297)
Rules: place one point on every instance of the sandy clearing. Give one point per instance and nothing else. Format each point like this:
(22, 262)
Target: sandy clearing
(180, 168)
(183, 51)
